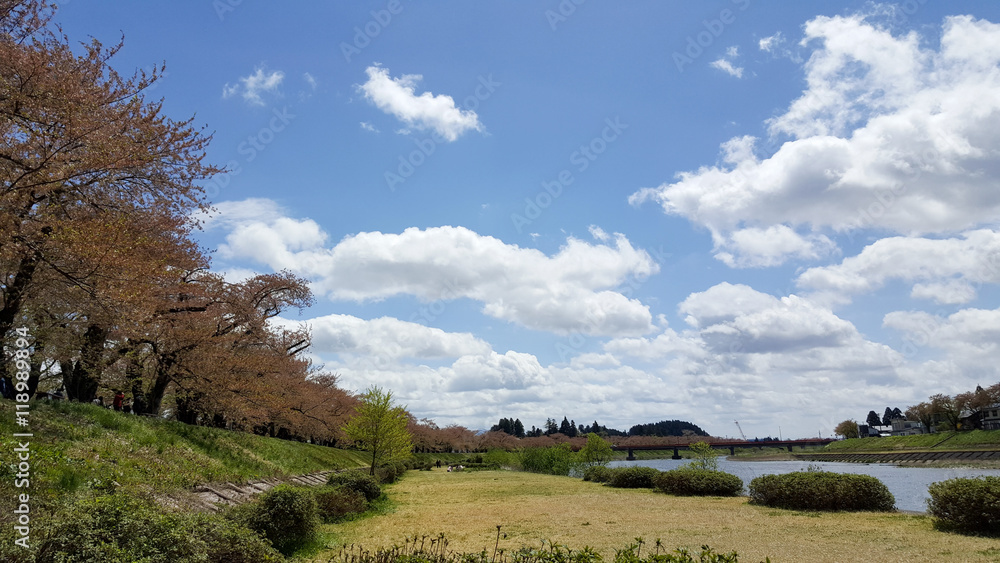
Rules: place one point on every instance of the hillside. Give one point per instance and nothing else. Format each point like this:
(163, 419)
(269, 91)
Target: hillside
(76, 446)
(944, 441)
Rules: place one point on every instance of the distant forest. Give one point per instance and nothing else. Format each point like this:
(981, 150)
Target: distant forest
(567, 427)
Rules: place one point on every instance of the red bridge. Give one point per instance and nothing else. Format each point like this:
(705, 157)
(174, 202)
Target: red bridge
(731, 446)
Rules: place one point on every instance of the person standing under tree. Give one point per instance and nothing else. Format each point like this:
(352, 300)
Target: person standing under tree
(117, 402)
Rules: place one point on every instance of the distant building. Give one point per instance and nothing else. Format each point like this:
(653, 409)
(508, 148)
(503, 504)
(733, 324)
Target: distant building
(865, 431)
(991, 417)
(903, 427)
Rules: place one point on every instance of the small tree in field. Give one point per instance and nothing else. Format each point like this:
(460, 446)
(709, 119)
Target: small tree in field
(705, 457)
(379, 427)
(597, 451)
(847, 429)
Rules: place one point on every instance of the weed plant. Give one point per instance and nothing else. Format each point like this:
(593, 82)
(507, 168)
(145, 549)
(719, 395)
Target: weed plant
(428, 549)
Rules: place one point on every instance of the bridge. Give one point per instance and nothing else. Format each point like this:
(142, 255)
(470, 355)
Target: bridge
(731, 446)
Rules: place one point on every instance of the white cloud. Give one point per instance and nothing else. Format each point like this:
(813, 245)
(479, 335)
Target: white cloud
(725, 63)
(727, 67)
(369, 127)
(970, 340)
(426, 111)
(387, 339)
(768, 44)
(723, 303)
(228, 214)
(574, 290)
(951, 292)
(755, 247)
(310, 80)
(889, 134)
(254, 85)
(945, 270)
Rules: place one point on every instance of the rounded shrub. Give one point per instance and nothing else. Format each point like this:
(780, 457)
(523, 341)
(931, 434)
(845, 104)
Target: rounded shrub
(821, 490)
(968, 505)
(698, 482)
(359, 481)
(390, 472)
(287, 516)
(116, 528)
(120, 528)
(336, 503)
(228, 542)
(597, 474)
(637, 477)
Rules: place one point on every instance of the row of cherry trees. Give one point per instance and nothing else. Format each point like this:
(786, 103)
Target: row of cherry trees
(964, 411)
(99, 191)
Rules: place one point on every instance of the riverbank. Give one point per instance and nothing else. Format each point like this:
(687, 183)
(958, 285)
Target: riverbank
(975, 440)
(76, 447)
(467, 507)
(983, 459)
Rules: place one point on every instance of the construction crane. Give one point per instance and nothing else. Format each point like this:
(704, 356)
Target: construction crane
(744, 436)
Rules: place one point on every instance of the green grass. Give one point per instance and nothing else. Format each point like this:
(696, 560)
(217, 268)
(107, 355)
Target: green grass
(943, 441)
(81, 446)
(468, 506)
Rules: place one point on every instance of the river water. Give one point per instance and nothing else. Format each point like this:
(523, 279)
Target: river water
(907, 484)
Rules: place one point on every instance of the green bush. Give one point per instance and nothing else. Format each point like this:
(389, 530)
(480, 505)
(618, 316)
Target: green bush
(287, 516)
(636, 477)
(597, 474)
(226, 542)
(390, 472)
(336, 503)
(123, 529)
(501, 459)
(821, 490)
(357, 481)
(698, 482)
(968, 505)
(554, 460)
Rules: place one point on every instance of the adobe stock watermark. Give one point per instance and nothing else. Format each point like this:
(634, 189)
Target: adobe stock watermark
(425, 147)
(22, 453)
(563, 11)
(697, 43)
(582, 157)
(223, 7)
(365, 34)
(250, 149)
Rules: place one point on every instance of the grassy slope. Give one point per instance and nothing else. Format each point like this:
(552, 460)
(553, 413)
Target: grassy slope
(974, 440)
(76, 446)
(468, 506)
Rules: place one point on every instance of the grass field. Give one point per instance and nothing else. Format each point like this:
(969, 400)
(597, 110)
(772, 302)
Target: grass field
(468, 506)
(974, 440)
(76, 445)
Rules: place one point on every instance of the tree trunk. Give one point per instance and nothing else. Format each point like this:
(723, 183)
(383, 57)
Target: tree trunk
(82, 384)
(133, 373)
(154, 398)
(13, 297)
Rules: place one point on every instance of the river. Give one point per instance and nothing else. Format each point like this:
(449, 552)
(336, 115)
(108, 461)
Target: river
(907, 484)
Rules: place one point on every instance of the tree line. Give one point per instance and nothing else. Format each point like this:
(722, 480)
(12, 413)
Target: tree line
(99, 195)
(963, 411)
(570, 429)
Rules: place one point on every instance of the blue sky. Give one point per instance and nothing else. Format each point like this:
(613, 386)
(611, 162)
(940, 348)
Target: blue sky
(782, 214)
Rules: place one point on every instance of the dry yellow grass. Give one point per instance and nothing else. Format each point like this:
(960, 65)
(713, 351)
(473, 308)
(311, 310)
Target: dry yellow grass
(468, 506)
